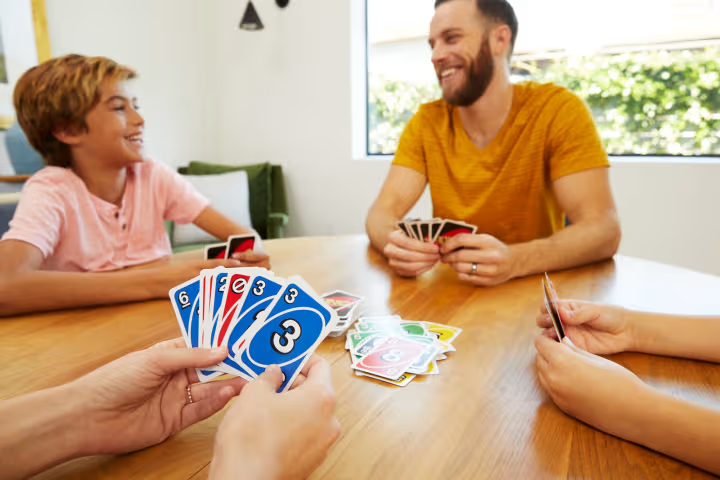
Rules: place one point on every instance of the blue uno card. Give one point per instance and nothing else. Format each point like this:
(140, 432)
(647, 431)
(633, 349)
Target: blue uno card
(219, 288)
(262, 292)
(293, 327)
(184, 299)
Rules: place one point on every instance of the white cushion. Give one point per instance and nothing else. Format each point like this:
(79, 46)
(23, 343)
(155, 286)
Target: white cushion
(228, 193)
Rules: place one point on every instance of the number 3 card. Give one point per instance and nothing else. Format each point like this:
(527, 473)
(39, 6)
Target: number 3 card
(292, 328)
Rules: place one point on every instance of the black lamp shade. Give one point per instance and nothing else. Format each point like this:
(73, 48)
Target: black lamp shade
(251, 20)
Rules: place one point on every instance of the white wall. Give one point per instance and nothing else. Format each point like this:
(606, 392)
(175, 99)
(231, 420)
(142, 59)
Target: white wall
(168, 43)
(669, 210)
(286, 99)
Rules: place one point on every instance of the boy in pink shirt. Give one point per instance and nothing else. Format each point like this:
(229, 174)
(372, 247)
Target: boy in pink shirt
(101, 203)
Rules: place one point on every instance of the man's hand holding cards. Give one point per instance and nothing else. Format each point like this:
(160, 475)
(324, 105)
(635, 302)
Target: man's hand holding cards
(263, 320)
(417, 245)
(246, 248)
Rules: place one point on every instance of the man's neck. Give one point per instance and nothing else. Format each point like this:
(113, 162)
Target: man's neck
(107, 183)
(484, 119)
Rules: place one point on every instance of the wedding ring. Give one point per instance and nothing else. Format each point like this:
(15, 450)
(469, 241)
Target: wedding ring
(189, 394)
(473, 269)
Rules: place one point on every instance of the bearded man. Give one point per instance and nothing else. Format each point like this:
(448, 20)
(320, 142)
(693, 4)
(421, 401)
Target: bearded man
(523, 162)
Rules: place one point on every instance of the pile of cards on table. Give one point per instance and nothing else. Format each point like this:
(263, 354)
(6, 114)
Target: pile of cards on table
(262, 319)
(394, 350)
(436, 230)
(346, 306)
(235, 244)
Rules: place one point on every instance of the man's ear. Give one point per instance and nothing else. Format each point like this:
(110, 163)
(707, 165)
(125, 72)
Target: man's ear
(500, 41)
(68, 135)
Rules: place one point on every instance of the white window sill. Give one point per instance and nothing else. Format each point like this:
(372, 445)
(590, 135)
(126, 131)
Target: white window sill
(613, 159)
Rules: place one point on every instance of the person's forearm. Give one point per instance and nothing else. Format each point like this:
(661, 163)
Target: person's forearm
(40, 290)
(379, 225)
(39, 431)
(218, 225)
(675, 336)
(578, 244)
(684, 430)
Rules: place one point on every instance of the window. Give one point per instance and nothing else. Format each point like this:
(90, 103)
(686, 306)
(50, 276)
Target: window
(648, 69)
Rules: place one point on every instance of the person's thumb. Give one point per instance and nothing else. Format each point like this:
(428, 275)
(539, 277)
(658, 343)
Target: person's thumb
(271, 378)
(575, 317)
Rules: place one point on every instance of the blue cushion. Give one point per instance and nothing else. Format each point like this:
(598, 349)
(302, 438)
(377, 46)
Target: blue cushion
(24, 158)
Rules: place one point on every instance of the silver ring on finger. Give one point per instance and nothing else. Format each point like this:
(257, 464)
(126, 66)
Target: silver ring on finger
(473, 269)
(189, 395)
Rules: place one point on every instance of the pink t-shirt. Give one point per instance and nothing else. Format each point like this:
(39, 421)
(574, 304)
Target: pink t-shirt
(79, 232)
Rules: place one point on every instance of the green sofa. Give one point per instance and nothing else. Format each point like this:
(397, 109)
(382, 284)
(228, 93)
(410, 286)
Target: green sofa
(268, 203)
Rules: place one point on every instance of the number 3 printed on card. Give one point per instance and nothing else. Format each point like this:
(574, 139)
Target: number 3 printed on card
(286, 342)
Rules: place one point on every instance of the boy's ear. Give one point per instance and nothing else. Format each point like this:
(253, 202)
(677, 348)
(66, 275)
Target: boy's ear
(68, 136)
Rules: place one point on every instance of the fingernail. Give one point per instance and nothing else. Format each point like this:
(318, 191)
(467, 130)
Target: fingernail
(217, 350)
(568, 341)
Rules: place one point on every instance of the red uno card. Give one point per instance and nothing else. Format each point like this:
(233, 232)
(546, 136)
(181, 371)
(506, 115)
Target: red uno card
(391, 358)
(451, 228)
(234, 296)
(216, 250)
(239, 244)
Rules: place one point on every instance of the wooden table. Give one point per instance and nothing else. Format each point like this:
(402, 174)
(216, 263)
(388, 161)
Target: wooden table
(484, 416)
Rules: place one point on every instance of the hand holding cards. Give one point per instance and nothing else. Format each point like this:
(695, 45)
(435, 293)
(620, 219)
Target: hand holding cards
(261, 319)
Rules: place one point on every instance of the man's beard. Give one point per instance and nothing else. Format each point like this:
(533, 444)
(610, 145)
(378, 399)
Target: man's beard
(479, 76)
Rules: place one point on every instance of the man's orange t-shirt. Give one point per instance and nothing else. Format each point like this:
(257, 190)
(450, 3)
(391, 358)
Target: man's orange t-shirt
(506, 188)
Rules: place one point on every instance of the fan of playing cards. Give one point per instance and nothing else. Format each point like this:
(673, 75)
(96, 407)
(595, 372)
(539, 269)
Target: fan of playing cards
(263, 320)
(436, 230)
(394, 350)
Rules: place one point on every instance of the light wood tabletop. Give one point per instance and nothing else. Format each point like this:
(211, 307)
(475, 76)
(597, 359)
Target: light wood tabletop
(484, 416)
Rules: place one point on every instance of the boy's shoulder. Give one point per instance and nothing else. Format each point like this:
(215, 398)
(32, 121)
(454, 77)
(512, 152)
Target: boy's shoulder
(54, 179)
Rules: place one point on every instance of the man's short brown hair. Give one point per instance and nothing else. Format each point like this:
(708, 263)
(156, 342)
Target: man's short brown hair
(57, 95)
(499, 11)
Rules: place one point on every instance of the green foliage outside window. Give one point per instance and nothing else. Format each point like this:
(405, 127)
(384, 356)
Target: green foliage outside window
(664, 102)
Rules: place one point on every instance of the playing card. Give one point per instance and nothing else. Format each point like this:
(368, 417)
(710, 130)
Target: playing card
(403, 227)
(444, 333)
(185, 299)
(391, 358)
(551, 304)
(215, 250)
(342, 302)
(403, 381)
(451, 228)
(218, 288)
(404, 327)
(260, 295)
(292, 327)
(435, 225)
(235, 292)
(424, 228)
(415, 227)
(240, 243)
